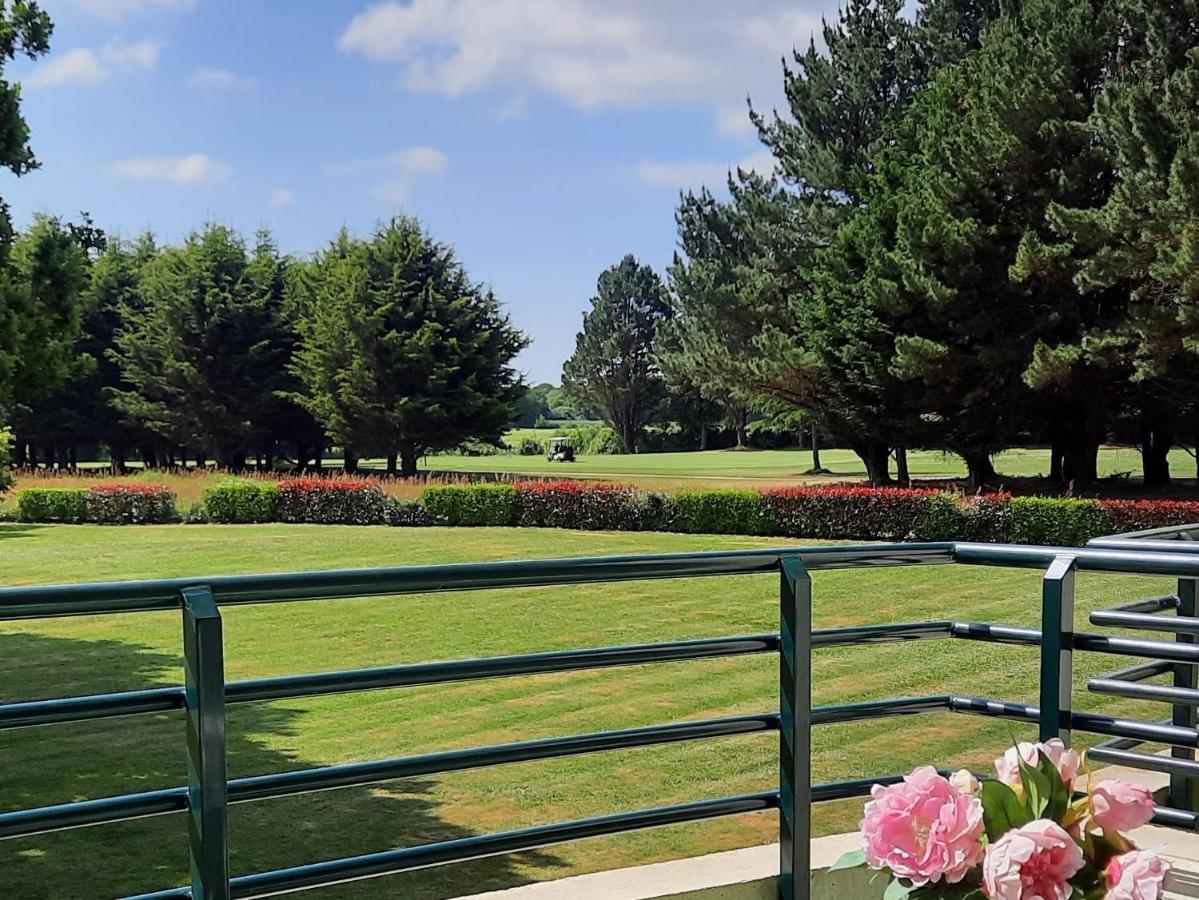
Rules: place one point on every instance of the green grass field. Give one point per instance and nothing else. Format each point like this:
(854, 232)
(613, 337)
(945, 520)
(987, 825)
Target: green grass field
(783, 465)
(82, 655)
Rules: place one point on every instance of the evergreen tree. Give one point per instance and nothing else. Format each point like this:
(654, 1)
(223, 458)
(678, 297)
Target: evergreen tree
(401, 352)
(613, 370)
(200, 348)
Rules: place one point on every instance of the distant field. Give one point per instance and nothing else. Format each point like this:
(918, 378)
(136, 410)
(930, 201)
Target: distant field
(66, 656)
(783, 465)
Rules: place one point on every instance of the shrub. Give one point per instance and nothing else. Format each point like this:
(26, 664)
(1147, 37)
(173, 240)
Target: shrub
(1139, 515)
(130, 504)
(52, 505)
(5, 460)
(1056, 520)
(723, 512)
(595, 440)
(242, 501)
(955, 517)
(848, 513)
(332, 501)
(406, 513)
(590, 505)
(532, 447)
(470, 504)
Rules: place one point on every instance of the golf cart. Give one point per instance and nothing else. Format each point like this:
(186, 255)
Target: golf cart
(561, 450)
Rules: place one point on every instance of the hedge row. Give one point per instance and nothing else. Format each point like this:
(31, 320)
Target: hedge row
(831, 513)
(103, 504)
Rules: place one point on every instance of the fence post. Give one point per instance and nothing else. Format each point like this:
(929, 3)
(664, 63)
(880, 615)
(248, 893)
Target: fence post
(1184, 790)
(1057, 647)
(795, 743)
(204, 686)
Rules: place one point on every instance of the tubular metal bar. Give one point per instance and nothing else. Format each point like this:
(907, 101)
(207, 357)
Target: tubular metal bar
(1162, 693)
(1057, 649)
(1135, 730)
(1145, 621)
(102, 706)
(998, 709)
(1176, 818)
(1129, 561)
(128, 596)
(1140, 672)
(1150, 762)
(1148, 605)
(1122, 646)
(260, 787)
(42, 712)
(996, 634)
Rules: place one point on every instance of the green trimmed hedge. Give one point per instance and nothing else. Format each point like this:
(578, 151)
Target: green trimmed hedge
(52, 505)
(470, 504)
(1056, 520)
(242, 502)
(723, 512)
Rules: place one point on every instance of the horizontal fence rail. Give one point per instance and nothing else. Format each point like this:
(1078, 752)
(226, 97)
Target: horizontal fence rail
(205, 694)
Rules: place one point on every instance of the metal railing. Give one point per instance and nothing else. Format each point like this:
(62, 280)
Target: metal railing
(205, 694)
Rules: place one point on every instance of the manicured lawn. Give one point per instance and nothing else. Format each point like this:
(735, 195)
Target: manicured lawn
(81, 655)
(782, 466)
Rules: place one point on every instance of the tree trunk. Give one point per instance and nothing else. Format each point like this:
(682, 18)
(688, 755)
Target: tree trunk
(979, 468)
(901, 466)
(1155, 454)
(703, 437)
(72, 458)
(408, 457)
(268, 456)
(739, 418)
(117, 453)
(1055, 462)
(391, 464)
(875, 455)
(201, 460)
(349, 461)
(816, 465)
(1080, 462)
(20, 455)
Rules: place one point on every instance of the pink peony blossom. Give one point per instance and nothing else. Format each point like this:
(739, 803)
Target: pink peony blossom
(1120, 805)
(1137, 875)
(1036, 860)
(1067, 762)
(963, 780)
(923, 829)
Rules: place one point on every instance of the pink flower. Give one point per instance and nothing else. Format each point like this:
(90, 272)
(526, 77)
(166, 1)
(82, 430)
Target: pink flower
(923, 829)
(1137, 875)
(1033, 862)
(963, 780)
(1120, 805)
(1067, 762)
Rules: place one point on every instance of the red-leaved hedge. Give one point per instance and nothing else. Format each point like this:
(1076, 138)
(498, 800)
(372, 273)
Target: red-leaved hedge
(130, 503)
(590, 505)
(332, 501)
(853, 513)
(1139, 515)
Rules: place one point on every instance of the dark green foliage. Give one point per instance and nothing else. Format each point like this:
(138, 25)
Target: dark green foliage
(130, 504)
(1056, 520)
(52, 505)
(332, 501)
(242, 501)
(470, 504)
(723, 512)
(613, 370)
(407, 514)
(202, 347)
(402, 353)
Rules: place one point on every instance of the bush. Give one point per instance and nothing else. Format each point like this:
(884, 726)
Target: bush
(1139, 515)
(955, 517)
(332, 501)
(5, 460)
(723, 512)
(470, 504)
(590, 505)
(130, 504)
(242, 501)
(595, 440)
(848, 513)
(52, 505)
(532, 447)
(1056, 520)
(406, 513)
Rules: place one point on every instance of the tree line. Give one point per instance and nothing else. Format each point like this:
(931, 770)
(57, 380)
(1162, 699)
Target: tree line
(980, 231)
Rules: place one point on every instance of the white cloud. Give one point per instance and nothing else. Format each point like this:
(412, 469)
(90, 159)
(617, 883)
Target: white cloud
(114, 10)
(591, 53)
(683, 174)
(197, 168)
(403, 168)
(282, 197)
(220, 80)
(85, 66)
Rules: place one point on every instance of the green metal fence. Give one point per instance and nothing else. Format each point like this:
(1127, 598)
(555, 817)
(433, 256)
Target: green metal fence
(205, 694)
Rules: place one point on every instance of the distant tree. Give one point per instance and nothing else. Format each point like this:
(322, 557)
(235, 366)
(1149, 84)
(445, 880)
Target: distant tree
(200, 348)
(402, 353)
(533, 406)
(613, 370)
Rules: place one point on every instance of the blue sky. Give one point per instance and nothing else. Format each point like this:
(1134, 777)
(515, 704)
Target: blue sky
(544, 139)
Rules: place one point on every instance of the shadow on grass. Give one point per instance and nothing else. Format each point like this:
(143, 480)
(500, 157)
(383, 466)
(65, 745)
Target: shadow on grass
(17, 529)
(62, 763)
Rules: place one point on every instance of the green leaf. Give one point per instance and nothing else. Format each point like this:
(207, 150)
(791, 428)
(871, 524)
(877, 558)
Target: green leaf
(1037, 789)
(897, 890)
(849, 860)
(1058, 797)
(1002, 809)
